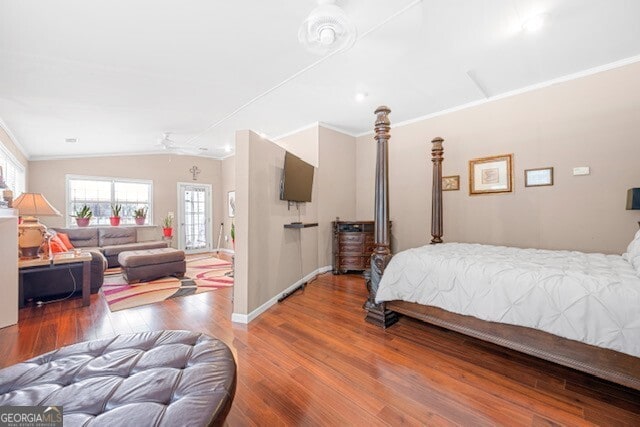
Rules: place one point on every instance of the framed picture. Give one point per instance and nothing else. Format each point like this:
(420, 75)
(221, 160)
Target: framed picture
(489, 175)
(538, 177)
(231, 198)
(451, 183)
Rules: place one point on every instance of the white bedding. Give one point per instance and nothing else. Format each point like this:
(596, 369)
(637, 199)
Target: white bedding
(593, 298)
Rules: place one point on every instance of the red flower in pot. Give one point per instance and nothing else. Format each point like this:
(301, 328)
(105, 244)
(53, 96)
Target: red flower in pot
(115, 215)
(167, 226)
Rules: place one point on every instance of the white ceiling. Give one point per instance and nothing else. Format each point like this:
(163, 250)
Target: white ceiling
(116, 74)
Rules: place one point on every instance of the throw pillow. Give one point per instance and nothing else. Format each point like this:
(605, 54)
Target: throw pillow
(633, 252)
(56, 246)
(65, 239)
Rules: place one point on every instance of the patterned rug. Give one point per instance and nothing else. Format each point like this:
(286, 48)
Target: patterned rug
(203, 275)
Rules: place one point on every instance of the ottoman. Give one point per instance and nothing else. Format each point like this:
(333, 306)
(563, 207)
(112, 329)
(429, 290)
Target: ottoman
(159, 378)
(149, 264)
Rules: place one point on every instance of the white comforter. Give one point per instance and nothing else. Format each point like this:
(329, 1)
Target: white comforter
(593, 298)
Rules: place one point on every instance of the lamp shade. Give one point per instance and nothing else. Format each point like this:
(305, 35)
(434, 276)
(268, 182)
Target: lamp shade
(633, 199)
(34, 204)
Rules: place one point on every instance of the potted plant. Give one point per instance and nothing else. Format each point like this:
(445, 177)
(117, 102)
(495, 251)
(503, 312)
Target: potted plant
(167, 229)
(83, 216)
(115, 215)
(140, 215)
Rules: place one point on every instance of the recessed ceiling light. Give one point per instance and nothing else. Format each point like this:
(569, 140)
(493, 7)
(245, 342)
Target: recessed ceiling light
(203, 149)
(361, 96)
(227, 148)
(534, 23)
(71, 140)
(262, 135)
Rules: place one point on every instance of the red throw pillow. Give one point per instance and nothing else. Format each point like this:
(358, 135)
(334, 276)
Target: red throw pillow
(64, 237)
(56, 246)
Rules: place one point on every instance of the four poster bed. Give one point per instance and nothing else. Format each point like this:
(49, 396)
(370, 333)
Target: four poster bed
(577, 310)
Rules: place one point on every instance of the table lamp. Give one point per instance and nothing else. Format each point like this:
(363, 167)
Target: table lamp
(30, 231)
(633, 199)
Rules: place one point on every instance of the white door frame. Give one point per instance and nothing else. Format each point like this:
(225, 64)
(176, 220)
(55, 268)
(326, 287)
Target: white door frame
(180, 218)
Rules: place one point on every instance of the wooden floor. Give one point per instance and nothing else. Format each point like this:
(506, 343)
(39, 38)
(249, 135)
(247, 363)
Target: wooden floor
(312, 360)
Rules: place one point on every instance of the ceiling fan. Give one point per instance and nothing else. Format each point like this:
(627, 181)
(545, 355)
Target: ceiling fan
(169, 144)
(327, 29)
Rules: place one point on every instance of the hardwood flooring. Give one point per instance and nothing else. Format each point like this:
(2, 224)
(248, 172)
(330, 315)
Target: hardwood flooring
(312, 360)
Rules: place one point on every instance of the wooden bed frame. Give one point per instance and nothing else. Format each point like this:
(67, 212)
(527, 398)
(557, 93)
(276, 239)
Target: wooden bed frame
(608, 364)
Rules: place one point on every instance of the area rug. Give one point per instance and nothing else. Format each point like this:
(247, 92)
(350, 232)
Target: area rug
(203, 275)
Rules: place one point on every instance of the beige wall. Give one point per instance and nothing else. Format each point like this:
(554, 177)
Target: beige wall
(336, 190)
(303, 144)
(333, 154)
(269, 258)
(228, 184)
(593, 121)
(165, 170)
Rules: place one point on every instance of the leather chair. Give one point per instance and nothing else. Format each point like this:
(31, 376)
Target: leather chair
(160, 378)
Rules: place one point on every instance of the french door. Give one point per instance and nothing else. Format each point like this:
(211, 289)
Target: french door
(194, 217)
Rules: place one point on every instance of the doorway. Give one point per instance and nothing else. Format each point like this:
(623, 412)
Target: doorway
(194, 217)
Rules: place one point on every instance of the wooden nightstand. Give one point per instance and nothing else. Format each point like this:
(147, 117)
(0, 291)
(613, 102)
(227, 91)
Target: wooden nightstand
(353, 244)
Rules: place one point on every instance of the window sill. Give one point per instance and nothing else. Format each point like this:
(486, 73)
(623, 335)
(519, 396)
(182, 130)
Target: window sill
(119, 226)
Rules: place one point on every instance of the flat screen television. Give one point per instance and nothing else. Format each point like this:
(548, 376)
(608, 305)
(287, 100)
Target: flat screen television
(297, 179)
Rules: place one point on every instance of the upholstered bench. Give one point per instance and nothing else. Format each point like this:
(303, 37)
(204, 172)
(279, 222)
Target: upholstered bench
(148, 264)
(159, 378)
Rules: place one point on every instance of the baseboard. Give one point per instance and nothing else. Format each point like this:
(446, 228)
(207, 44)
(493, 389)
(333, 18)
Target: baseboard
(246, 318)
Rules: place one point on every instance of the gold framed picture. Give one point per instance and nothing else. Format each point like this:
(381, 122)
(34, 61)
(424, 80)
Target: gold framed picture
(488, 175)
(538, 177)
(451, 183)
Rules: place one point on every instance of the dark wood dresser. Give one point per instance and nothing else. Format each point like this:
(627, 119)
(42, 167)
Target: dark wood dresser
(352, 245)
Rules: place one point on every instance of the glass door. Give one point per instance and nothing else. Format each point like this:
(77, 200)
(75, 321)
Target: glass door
(194, 217)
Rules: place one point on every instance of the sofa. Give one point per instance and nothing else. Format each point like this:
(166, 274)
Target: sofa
(109, 241)
(60, 283)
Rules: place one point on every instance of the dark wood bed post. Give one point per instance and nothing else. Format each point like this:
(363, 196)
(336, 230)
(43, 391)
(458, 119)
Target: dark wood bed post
(378, 314)
(437, 153)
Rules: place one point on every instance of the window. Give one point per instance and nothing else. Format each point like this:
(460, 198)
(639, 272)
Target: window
(100, 193)
(12, 172)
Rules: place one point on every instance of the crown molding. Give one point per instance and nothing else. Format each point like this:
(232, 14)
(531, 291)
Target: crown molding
(310, 126)
(515, 92)
(337, 129)
(14, 140)
(147, 153)
(295, 131)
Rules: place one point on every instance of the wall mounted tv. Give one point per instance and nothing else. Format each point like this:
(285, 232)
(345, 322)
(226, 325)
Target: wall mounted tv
(297, 179)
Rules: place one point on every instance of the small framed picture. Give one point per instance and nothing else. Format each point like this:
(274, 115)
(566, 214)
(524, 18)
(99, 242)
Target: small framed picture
(451, 183)
(231, 198)
(538, 177)
(491, 175)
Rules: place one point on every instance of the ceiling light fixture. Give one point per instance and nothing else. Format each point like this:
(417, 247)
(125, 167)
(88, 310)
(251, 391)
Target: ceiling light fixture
(361, 96)
(534, 23)
(327, 29)
(227, 148)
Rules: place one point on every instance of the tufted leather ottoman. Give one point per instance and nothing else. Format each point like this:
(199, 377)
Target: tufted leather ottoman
(160, 378)
(148, 264)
